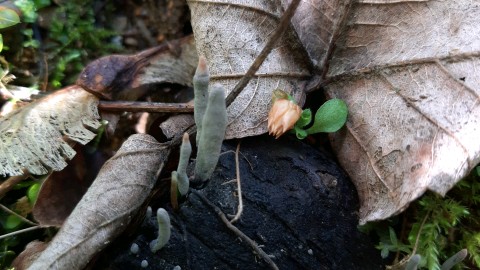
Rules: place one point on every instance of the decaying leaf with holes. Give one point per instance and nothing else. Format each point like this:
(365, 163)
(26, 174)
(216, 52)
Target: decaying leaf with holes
(36, 138)
(111, 202)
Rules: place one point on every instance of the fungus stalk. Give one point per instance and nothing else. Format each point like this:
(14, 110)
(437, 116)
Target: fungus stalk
(185, 152)
(164, 230)
(214, 124)
(200, 90)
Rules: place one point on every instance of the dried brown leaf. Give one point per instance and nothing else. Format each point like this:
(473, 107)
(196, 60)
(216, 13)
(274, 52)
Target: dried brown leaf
(33, 138)
(121, 187)
(28, 255)
(122, 77)
(408, 72)
(61, 191)
(318, 24)
(230, 35)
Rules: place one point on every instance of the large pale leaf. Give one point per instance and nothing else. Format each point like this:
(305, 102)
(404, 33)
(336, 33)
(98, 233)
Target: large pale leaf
(230, 35)
(408, 72)
(318, 24)
(33, 137)
(121, 187)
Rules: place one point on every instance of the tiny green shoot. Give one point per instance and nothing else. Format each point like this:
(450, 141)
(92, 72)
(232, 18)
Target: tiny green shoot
(330, 117)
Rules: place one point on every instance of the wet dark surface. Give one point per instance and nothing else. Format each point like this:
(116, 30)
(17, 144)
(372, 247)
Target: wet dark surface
(299, 207)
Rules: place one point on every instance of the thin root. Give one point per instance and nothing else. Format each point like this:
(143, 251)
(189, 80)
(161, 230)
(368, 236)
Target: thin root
(239, 187)
(237, 232)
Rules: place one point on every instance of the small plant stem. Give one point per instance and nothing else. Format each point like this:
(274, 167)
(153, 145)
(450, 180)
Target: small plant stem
(239, 186)
(277, 33)
(8, 184)
(236, 231)
(138, 106)
(6, 209)
(414, 250)
(20, 231)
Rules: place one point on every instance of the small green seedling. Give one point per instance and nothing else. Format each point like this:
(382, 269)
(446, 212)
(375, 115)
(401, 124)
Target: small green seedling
(330, 117)
(8, 17)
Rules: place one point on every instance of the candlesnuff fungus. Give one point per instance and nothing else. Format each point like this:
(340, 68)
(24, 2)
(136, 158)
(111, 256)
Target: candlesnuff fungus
(182, 178)
(200, 90)
(214, 123)
(134, 248)
(455, 259)
(412, 264)
(174, 190)
(148, 213)
(164, 230)
(179, 180)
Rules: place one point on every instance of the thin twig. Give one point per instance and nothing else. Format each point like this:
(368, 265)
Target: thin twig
(239, 186)
(235, 230)
(8, 184)
(277, 33)
(414, 250)
(20, 231)
(138, 106)
(6, 209)
(405, 260)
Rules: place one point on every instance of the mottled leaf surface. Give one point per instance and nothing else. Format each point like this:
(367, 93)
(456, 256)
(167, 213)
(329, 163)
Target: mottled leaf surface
(318, 24)
(123, 184)
(34, 138)
(409, 74)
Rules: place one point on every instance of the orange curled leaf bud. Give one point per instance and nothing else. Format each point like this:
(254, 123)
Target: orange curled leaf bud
(282, 116)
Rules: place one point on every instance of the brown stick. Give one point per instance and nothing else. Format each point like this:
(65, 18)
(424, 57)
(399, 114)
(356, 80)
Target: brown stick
(138, 106)
(284, 22)
(8, 184)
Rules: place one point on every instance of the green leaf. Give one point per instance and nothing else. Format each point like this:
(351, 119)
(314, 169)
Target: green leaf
(393, 236)
(29, 11)
(1, 42)
(32, 193)
(41, 3)
(305, 118)
(330, 117)
(300, 133)
(12, 222)
(8, 17)
(384, 252)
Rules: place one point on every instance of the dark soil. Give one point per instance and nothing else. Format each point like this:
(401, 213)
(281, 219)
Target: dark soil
(299, 206)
